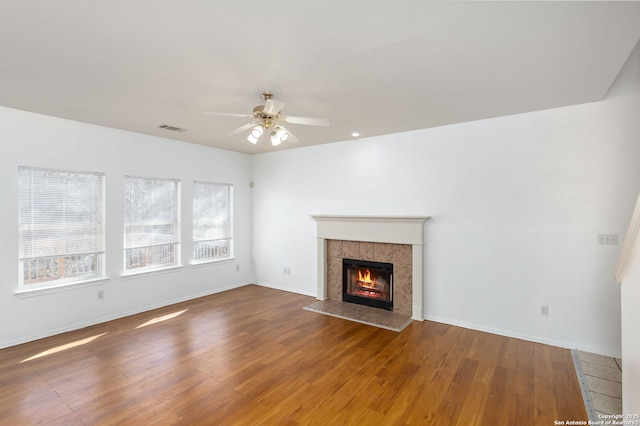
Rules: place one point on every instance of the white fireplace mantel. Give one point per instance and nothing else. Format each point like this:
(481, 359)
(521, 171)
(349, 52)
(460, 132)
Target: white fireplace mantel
(376, 229)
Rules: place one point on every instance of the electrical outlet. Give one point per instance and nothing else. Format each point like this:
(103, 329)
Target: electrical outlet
(238, 268)
(100, 294)
(608, 239)
(544, 310)
(286, 271)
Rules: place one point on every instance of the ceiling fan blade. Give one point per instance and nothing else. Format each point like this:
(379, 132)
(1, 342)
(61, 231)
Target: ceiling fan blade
(272, 107)
(227, 114)
(292, 138)
(308, 121)
(242, 129)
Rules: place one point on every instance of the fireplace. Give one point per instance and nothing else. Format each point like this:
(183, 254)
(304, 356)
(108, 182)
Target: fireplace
(367, 283)
(394, 239)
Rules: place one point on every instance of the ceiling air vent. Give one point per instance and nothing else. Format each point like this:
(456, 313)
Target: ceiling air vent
(172, 128)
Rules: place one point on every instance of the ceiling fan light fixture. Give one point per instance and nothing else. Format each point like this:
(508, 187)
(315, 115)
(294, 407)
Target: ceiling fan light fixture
(267, 118)
(278, 136)
(255, 134)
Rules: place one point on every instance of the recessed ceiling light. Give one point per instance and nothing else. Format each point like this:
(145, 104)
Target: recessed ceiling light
(355, 134)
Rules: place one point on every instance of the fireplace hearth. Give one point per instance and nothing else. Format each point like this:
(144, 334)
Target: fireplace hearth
(367, 283)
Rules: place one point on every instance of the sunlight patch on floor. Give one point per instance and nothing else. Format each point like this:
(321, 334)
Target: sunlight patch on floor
(64, 347)
(162, 318)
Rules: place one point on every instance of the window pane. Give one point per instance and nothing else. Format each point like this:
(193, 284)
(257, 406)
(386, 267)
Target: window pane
(212, 226)
(151, 222)
(164, 254)
(61, 229)
(43, 269)
(211, 249)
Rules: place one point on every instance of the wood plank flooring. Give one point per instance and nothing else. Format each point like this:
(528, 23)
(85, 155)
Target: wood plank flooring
(253, 356)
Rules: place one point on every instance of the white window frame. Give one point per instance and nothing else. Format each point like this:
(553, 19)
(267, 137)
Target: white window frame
(64, 258)
(144, 248)
(219, 251)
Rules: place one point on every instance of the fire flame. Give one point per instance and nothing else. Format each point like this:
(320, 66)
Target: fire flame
(369, 285)
(365, 276)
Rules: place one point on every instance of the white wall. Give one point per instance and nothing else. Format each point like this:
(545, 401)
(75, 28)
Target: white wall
(516, 205)
(625, 98)
(39, 141)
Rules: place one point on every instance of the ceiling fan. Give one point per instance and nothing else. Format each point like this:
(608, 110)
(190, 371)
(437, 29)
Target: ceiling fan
(266, 119)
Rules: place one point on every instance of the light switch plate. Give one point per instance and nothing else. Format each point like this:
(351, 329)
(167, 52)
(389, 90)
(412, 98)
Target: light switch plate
(608, 239)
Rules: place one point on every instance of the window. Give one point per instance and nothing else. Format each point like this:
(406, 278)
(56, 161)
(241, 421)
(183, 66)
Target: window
(212, 227)
(151, 224)
(61, 227)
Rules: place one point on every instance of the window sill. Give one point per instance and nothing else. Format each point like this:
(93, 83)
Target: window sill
(136, 274)
(31, 292)
(212, 261)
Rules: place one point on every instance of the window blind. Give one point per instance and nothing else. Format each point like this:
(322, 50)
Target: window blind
(151, 235)
(212, 225)
(60, 225)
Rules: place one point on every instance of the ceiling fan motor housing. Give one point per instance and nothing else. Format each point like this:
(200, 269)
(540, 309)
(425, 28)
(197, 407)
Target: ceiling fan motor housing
(258, 112)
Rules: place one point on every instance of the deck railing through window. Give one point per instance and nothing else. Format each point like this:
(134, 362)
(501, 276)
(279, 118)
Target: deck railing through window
(41, 269)
(212, 249)
(139, 257)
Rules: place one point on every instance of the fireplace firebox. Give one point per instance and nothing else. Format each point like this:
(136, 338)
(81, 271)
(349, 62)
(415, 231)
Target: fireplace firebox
(367, 283)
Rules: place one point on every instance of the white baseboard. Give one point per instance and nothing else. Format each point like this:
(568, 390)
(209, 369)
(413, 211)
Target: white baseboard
(288, 289)
(529, 338)
(84, 324)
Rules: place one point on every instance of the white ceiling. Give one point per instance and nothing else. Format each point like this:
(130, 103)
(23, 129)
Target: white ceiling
(377, 67)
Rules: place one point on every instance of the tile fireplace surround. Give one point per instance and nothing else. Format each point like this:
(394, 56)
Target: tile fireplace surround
(393, 235)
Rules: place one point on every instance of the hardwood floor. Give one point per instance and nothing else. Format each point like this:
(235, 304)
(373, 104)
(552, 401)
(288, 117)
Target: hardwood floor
(254, 356)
